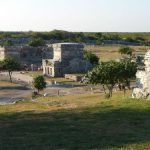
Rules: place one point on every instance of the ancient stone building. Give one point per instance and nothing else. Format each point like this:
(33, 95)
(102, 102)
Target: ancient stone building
(143, 80)
(67, 58)
(26, 54)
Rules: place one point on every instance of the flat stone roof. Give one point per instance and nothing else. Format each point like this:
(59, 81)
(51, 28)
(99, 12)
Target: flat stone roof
(67, 43)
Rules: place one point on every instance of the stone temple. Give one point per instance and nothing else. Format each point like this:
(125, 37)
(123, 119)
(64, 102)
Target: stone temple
(67, 59)
(142, 89)
(56, 59)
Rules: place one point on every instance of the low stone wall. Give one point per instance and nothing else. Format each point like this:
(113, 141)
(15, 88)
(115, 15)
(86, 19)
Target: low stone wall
(73, 77)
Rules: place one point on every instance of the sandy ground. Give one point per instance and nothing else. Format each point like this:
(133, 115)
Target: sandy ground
(20, 77)
(11, 96)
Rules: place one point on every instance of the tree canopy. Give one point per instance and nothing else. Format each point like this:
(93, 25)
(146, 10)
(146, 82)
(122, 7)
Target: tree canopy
(110, 73)
(7, 43)
(39, 83)
(36, 42)
(84, 37)
(126, 50)
(92, 58)
(10, 65)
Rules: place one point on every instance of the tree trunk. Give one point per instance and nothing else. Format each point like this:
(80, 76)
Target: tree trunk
(38, 91)
(104, 89)
(10, 73)
(124, 91)
(110, 92)
(110, 88)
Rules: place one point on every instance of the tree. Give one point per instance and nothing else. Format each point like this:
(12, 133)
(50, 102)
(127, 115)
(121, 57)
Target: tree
(105, 74)
(10, 65)
(36, 42)
(110, 73)
(127, 71)
(126, 50)
(1, 65)
(39, 83)
(92, 58)
(7, 43)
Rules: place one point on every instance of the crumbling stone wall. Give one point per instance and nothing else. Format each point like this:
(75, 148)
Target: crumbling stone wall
(142, 89)
(68, 58)
(65, 52)
(27, 54)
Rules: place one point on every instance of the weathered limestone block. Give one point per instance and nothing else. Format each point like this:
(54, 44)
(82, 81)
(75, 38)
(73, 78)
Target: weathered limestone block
(27, 54)
(78, 66)
(140, 93)
(143, 80)
(68, 58)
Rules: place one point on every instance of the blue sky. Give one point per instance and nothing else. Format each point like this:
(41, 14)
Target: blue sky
(75, 15)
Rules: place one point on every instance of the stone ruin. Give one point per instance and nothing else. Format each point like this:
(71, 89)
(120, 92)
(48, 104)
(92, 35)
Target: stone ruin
(27, 55)
(55, 59)
(67, 59)
(142, 90)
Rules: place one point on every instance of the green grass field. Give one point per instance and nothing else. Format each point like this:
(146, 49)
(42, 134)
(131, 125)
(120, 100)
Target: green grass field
(79, 122)
(107, 53)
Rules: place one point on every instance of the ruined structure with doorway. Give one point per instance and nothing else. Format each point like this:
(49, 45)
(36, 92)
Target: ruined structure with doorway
(67, 59)
(143, 80)
(57, 59)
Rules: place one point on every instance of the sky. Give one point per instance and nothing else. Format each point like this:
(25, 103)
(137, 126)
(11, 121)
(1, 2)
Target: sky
(75, 15)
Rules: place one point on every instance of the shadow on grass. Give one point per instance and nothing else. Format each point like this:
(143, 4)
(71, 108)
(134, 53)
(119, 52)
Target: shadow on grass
(92, 128)
(14, 88)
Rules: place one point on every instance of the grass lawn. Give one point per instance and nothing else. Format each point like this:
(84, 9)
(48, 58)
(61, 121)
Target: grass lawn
(85, 122)
(107, 53)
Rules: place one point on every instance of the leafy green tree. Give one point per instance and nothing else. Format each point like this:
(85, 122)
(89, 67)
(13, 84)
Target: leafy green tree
(36, 42)
(110, 73)
(10, 65)
(126, 50)
(127, 71)
(105, 74)
(92, 58)
(7, 43)
(99, 35)
(39, 83)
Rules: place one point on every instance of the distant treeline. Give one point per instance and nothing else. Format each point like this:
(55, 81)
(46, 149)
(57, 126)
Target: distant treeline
(81, 37)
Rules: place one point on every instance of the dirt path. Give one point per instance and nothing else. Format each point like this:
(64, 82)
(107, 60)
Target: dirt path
(20, 77)
(11, 96)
